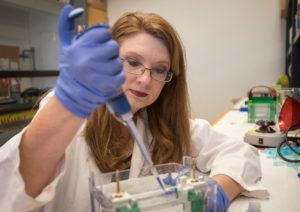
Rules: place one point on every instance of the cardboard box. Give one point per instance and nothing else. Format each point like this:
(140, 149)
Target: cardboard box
(9, 57)
(99, 4)
(96, 16)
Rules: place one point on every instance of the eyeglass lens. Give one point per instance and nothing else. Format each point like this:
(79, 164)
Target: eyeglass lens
(135, 67)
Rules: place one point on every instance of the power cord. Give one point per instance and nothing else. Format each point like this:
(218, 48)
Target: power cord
(290, 143)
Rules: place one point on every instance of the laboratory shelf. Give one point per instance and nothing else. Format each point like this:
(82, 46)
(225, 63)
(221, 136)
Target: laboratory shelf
(46, 73)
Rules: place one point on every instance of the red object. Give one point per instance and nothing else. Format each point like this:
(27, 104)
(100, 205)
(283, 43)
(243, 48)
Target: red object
(289, 115)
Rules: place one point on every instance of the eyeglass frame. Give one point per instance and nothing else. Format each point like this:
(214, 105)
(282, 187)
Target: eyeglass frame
(169, 73)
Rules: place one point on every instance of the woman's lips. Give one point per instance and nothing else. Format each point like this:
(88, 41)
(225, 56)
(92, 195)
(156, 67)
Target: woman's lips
(138, 93)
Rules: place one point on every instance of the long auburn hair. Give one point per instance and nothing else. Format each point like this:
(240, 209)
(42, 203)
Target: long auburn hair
(167, 117)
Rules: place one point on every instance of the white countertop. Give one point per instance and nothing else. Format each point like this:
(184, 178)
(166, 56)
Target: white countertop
(279, 177)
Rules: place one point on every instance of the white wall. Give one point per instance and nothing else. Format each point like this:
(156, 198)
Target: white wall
(43, 37)
(231, 45)
(32, 23)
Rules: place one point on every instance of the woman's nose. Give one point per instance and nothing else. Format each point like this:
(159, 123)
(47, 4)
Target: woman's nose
(145, 77)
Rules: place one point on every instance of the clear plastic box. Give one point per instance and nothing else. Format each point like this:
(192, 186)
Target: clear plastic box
(187, 192)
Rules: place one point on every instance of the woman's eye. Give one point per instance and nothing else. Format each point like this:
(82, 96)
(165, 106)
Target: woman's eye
(133, 62)
(160, 71)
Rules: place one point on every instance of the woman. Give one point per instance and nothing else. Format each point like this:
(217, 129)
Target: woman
(48, 163)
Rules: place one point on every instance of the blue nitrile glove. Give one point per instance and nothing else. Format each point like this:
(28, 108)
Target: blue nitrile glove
(90, 68)
(222, 199)
(219, 202)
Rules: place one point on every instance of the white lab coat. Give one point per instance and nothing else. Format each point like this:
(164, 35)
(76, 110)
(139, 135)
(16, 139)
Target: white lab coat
(69, 190)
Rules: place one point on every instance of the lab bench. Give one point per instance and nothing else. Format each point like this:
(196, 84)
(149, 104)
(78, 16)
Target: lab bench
(280, 178)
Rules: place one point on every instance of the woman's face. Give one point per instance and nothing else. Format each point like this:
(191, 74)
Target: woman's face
(143, 48)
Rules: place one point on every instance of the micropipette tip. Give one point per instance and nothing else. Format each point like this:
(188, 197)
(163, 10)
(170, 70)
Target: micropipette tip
(155, 174)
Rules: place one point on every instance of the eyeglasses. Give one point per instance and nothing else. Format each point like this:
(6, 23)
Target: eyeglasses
(134, 67)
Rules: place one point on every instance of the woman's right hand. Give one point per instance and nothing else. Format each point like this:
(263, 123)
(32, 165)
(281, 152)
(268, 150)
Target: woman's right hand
(91, 71)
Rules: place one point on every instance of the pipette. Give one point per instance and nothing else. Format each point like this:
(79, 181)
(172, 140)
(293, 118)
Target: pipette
(120, 107)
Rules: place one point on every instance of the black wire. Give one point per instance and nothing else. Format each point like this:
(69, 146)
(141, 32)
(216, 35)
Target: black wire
(288, 144)
(283, 157)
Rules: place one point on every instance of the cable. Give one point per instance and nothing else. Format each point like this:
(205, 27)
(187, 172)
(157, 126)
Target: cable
(289, 143)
